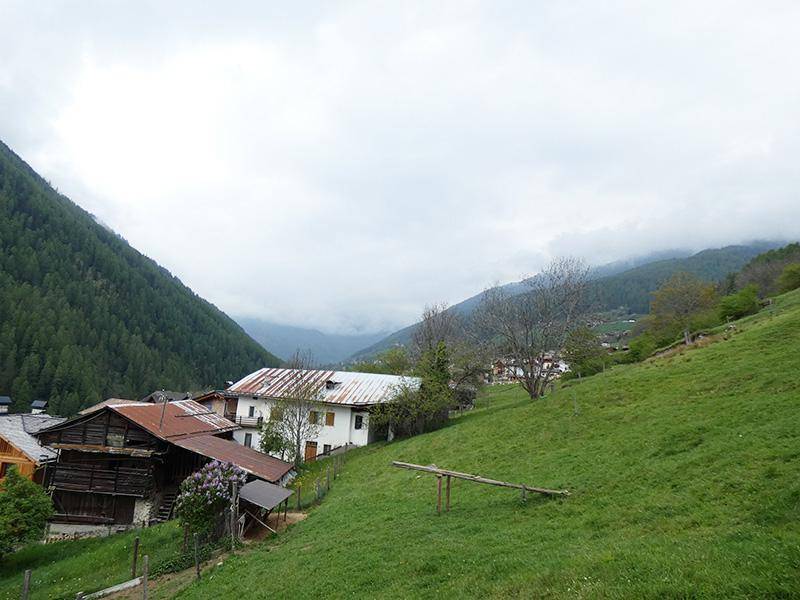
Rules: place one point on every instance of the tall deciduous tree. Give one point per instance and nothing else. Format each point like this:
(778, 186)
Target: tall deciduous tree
(679, 300)
(527, 327)
(293, 411)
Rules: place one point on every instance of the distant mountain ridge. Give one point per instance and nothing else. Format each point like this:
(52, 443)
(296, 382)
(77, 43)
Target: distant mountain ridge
(325, 348)
(626, 283)
(84, 316)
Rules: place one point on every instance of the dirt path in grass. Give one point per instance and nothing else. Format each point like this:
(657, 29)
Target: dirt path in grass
(167, 586)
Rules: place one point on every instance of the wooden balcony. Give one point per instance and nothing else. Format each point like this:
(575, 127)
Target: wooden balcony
(121, 481)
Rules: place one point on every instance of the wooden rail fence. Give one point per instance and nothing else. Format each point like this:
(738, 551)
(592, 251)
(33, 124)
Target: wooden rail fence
(448, 474)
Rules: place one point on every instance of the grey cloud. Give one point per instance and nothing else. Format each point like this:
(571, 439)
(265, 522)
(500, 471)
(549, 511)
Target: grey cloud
(361, 160)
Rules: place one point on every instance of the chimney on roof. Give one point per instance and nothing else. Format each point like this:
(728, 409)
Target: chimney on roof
(38, 407)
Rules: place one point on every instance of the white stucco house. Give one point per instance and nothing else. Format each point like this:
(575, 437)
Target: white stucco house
(344, 401)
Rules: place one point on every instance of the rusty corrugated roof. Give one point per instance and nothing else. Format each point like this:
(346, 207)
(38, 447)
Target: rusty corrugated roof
(256, 463)
(350, 388)
(182, 419)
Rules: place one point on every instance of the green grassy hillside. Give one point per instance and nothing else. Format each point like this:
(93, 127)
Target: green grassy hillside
(62, 569)
(685, 480)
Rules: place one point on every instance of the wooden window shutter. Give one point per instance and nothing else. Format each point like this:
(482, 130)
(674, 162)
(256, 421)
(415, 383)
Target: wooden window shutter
(329, 416)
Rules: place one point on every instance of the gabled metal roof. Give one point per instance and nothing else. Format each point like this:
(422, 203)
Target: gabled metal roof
(346, 387)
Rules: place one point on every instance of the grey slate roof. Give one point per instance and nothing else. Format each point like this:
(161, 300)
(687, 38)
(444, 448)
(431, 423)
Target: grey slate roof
(18, 430)
(5, 400)
(39, 404)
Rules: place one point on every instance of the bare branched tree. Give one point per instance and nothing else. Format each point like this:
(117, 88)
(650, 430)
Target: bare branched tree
(532, 327)
(292, 412)
(468, 352)
(438, 324)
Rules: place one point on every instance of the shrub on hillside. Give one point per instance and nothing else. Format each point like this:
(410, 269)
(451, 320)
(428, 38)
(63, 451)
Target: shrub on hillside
(641, 347)
(584, 353)
(790, 278)
(740, 304)
(205, 494)
(24, 510)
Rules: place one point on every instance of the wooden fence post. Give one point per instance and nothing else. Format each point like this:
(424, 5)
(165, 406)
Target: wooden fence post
(233, 516)
(524, 495)
(26, 585)
(439, 494)
(299, 505)
(145, 569)
(328, 479)
(448, 494)
(233, 532)
(135, 556)
(196, 557)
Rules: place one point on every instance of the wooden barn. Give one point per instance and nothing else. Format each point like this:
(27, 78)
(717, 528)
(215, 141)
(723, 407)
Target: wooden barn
(19, 446)
(122, 464)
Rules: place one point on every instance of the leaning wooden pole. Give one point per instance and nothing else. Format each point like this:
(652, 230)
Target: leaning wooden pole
(478, 479)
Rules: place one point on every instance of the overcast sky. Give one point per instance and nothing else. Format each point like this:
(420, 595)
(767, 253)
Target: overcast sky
(340, 165)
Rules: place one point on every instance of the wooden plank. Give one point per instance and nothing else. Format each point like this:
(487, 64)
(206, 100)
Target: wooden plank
(478, 479)
(125, 585)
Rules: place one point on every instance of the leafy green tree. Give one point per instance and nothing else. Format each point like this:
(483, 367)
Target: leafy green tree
(394, 361)
(583, 352)
(24, 510)
(790, 278)
(416, 410)
(742, 303)
(679, 301)
(272, 440)
(641, 347)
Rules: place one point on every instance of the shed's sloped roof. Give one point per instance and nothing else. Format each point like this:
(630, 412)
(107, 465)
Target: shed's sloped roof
(256, 463)
(263, 494)
(356, 389)
(181, 419)
(18, 431)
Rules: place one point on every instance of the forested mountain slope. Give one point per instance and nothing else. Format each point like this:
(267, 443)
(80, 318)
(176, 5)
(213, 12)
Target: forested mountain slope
(84, 316)
(682, 472)
(614, 286)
